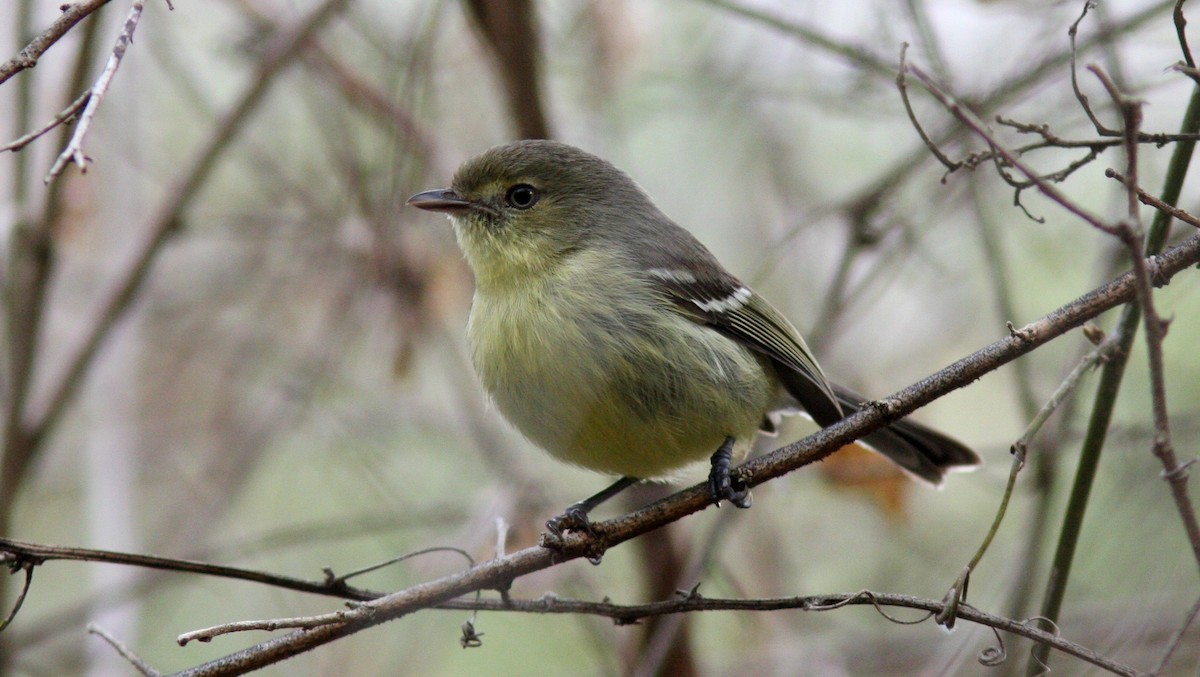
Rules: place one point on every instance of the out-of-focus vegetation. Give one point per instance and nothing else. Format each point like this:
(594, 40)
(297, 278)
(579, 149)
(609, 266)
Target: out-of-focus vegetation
(287, 389)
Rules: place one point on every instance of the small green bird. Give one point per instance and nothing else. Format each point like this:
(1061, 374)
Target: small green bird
(610, 337)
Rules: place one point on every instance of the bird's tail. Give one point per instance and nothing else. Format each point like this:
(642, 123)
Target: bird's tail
(918, 449)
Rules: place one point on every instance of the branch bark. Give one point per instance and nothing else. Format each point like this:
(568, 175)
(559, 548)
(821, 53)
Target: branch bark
(28, 57)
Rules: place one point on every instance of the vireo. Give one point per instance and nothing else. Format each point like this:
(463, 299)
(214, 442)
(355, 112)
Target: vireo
(610, 337)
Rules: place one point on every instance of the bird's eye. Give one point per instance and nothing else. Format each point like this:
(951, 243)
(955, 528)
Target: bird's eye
(522, 196)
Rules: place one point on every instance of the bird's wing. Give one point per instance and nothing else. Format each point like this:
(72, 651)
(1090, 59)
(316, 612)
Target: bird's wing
(725, 304)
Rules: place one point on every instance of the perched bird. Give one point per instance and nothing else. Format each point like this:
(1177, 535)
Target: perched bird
(610, 337)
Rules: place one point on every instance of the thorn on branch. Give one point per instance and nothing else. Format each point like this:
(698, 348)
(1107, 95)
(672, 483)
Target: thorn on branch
(885, 405)
(1025, 334)
(691, 594)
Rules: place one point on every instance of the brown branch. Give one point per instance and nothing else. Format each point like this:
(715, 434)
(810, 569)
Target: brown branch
(624, 614)
(500, 572)
(22, 554)
(1043, 185)
(1152, 201)
(1131, 233)
(1079, 95)
(1180, 25)
(902, 85)
(867, 200)
(28, 57)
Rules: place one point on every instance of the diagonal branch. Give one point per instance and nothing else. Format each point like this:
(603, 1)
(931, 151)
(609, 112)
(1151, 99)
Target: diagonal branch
(500, 572)
(28, 57)
(74, 150)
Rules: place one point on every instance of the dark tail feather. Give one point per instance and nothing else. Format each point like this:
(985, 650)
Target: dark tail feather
(922, 451)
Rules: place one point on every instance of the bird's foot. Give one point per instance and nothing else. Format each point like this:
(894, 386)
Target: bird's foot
(723, 483)
(574, 518)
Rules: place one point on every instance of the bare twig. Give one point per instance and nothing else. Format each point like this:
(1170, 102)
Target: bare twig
(958, 591)
(270, 625)
(902, 85)
(65, 115)
(1180, 25)
(136, 661)
(1152, 201)
(1191, 72)
(1079, 95)
(73, 13)
(335, 580)
(624, 614)
(688, 603)
(74, 150)
(33, 554)
(1043, 185)
(27, 567)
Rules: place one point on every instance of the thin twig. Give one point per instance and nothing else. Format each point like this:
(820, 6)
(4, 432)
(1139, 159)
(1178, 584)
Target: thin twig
(135, 660)
(270, 625)
(859, 55)
(27, 567)
(902, 85)
(632, 613)
(1042, 184)
(33, 554)
(957, 594)
(1180, 25)
(1152, 201)
(73, 13)
(336, 580)
(65, 115)
(929, 38)
(74, 150)
(1079, 95)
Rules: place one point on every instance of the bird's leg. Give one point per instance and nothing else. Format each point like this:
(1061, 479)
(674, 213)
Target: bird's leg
(575, 517)
(723, 485)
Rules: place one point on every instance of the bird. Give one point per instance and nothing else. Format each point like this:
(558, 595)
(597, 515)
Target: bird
(610, 337)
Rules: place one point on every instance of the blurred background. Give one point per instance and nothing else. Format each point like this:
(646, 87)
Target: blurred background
(229, 340)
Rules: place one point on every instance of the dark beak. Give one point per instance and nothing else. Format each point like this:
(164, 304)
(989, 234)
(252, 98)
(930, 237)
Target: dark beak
(440, 200)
